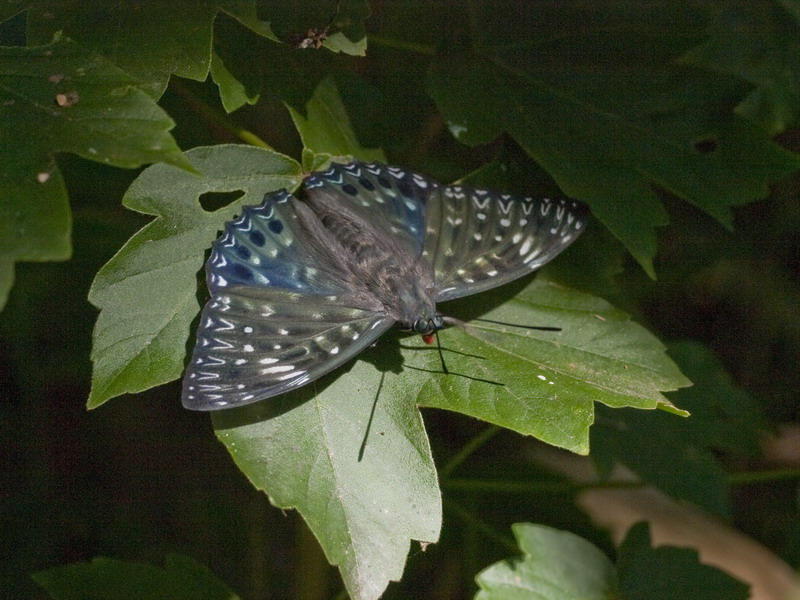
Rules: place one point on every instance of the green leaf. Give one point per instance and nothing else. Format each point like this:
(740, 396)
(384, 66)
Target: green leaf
(350, 453)
(362, 475)
(557, 565)
(245, 11)
(61, 98)
(232, 92)
(106, 578)
(609, 115)
(326, 128)
(758, 42)
(665, 573)
(544, 383)
(155, 41)
(147, 292)
(339, 42)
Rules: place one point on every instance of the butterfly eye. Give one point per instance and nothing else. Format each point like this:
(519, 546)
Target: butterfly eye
(423, 326)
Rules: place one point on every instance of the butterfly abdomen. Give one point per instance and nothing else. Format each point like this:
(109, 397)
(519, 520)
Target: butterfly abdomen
(386, 262)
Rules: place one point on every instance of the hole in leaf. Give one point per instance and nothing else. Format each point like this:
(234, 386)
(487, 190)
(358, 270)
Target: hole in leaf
(211, 201)
(706, 145)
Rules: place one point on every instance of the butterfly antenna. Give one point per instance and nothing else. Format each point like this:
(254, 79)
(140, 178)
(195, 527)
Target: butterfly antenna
(463, 325)
(441, 354)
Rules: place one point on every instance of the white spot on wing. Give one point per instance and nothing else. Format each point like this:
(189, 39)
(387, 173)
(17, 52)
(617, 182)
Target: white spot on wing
(277, 369)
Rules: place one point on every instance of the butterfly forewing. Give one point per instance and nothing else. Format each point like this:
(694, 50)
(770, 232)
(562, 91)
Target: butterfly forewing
(390, 197)
(283, 311)
(478, 239)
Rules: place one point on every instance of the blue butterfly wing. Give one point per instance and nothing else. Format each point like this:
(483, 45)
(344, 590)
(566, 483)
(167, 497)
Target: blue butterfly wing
(283, 310)
(392, 199)
(478, 239)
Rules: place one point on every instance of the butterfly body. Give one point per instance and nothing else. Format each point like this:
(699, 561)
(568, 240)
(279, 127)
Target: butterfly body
(387, 263)
(298, 288)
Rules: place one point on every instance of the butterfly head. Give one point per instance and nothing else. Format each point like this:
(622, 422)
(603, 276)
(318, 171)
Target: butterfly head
(427, 327)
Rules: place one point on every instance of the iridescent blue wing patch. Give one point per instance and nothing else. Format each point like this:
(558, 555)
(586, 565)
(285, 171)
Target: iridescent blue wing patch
(282, 311)
(478, 239)
(391, 198)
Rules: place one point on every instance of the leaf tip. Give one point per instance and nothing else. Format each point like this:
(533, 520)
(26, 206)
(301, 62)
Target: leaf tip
(671, 408)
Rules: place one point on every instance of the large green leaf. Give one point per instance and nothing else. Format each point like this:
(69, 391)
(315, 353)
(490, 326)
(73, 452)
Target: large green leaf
(544, 383)
(147, 292)
(362, 476)
(61, 98)
(110, 579)
(608, 112)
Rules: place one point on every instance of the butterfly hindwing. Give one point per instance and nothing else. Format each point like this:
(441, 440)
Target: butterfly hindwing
(254, 343)
(478, 239)
(283, 311)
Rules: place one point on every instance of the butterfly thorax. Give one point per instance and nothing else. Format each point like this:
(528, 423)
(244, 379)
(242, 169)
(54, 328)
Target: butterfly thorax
(403, 286)
(387, 263)
(415, 309)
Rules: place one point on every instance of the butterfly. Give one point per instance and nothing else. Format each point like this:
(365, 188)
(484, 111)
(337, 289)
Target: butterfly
(298, 288)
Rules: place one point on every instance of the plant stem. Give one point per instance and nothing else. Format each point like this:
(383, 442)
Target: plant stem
(213, 116)
(468, 449)
(476, 523)
(749, 477)
(402, 45)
